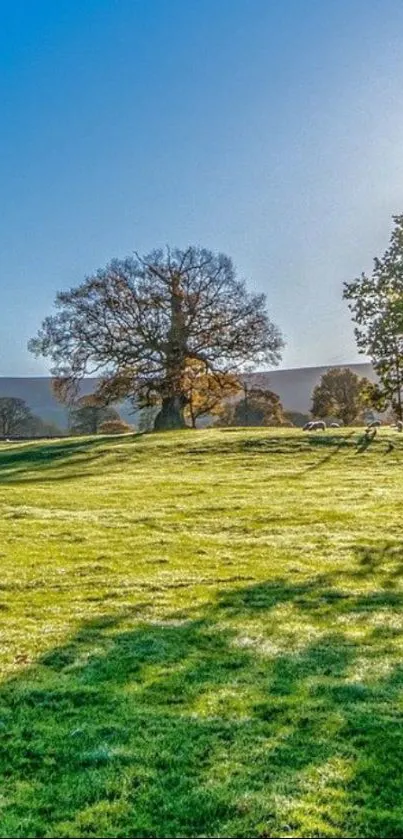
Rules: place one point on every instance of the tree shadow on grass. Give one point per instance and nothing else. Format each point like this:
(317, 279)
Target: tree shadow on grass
(335, 443)
(30, 463)
(275, 444)
(382, 561)
(366, 440)
(192, 726)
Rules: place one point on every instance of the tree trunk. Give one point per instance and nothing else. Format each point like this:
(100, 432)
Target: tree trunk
(399, 397)
(171, 415)
(246, 401)
(399, 406)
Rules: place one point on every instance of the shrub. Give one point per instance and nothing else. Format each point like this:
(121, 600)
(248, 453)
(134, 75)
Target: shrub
(115, 427)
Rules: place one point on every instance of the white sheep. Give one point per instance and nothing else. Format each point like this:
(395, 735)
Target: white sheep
(315, 425)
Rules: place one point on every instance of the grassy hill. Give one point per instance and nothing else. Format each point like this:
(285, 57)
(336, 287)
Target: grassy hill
(202, 635)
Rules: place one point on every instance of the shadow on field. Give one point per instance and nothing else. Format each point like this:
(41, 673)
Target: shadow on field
(276, 444)
(384, 560)
(193, 727)
(30, 462)
(366, 440)
(335, 444)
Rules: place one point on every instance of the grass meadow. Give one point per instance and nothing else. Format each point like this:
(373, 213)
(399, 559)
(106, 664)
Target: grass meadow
(202, 635)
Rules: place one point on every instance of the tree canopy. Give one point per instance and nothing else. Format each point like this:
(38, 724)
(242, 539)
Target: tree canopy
(14, 416)
(257, 407)
(89, 413)
(206, 390)
(341, 395)
(137, 322)
(376, 303)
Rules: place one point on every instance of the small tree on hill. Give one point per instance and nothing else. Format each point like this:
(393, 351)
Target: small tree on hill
(260, 407)
(89, 413)
(205, 391)
(14, 414)
(341, 395)
(116, 426)
(376, 303)
(138, 321)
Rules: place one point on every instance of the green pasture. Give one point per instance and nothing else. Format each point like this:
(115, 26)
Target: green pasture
(202, 635)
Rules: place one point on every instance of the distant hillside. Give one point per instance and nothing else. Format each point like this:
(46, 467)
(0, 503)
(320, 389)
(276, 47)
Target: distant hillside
(294, 388)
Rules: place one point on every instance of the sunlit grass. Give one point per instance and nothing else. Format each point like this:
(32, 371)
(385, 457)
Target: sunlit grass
(202, 635)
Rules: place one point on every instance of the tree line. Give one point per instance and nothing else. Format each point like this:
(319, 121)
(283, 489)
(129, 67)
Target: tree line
(340, 396)
(175, 331)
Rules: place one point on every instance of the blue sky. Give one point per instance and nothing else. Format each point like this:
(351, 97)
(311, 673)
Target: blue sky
(271, 130)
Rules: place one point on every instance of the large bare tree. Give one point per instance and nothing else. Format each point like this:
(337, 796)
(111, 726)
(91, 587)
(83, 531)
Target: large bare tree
(137, 322)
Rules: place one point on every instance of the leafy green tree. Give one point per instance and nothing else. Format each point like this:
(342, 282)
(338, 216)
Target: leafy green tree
(341, 395)
(376, 303)
(138, 321)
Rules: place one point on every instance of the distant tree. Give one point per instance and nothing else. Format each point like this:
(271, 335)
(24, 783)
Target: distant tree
(14, 413)
(89, 413)
(147, 418)
(138, 321)
(35, 426)
(251, 384)
(341, 395)
(205, 391)
(260, 407)
(117, 426)
(376, 303)
(66, 391)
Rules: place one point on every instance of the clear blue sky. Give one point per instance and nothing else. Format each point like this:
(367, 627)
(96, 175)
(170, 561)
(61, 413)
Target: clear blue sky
(269, 129)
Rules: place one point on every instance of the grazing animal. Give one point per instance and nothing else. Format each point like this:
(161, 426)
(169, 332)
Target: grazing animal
(399, 425)
(315, 425)
(335, 425)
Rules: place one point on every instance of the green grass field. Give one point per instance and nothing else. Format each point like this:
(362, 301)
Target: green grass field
(202, 635)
